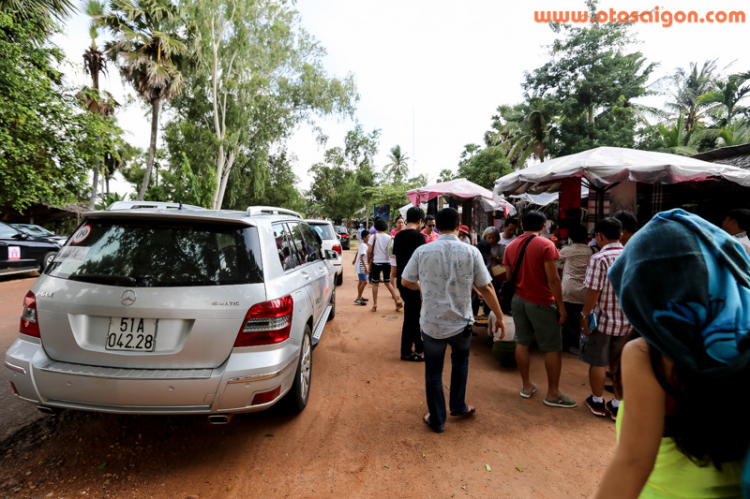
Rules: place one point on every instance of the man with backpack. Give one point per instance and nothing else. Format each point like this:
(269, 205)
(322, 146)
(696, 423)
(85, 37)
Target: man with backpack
(537, 306)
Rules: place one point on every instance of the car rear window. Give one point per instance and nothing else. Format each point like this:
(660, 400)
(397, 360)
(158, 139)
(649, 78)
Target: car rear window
(325, 231)
(149, 253)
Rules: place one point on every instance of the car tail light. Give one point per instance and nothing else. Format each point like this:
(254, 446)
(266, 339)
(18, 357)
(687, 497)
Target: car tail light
(266, 397)
(14, 389)
(337, 248)
(266, 323)
(345, 236)
(29, 324)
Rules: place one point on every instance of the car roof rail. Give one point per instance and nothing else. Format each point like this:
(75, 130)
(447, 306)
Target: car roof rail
(161, 205)
(270, 210)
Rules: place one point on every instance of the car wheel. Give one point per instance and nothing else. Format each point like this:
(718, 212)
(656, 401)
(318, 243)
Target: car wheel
(296, 399)
(48, 259)
(340, 279)
(333, 306)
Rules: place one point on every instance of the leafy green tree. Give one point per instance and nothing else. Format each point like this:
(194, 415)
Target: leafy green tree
(148, 49)
(734, 134)
(38, 10)
(484, 166)
(256, 75)
(446, 175)
(584, 96)
(47, 141)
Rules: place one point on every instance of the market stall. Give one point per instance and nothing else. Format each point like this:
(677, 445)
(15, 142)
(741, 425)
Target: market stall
(477, 203)
(639, 181)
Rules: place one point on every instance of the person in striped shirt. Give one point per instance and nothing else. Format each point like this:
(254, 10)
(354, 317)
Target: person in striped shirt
(600, 344)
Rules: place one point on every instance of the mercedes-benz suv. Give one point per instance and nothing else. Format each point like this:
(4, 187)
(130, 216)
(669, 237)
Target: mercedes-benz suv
(164, 309)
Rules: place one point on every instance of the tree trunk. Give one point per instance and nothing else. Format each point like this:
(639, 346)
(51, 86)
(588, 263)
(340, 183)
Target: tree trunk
(151, 149)
(94, 186)
(221, 189)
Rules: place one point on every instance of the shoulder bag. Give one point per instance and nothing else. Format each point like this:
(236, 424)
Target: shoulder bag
(509, 287)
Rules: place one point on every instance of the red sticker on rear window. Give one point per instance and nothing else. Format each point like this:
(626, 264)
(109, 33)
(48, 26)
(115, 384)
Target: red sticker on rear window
(81, 234)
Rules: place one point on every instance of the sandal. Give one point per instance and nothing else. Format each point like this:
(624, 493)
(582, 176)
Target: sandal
(469, 411)
(414, 357)
(374, 308)
(528, 395)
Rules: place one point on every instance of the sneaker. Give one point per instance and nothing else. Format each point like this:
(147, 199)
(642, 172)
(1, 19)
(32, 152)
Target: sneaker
(597, 408)
(360, 302)
(612, 410)
(561, 401)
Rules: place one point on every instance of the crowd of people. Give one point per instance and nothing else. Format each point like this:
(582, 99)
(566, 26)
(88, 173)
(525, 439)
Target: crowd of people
(664, 311)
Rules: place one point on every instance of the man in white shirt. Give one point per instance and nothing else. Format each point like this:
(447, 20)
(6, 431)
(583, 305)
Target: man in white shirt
(508, 235)
(737, 223)
(445, 271)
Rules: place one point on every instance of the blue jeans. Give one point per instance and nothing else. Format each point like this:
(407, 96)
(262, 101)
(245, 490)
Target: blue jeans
(434, 356)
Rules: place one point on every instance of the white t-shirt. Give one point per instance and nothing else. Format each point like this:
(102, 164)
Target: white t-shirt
(505, 242)
(363, 249)
(380, 253)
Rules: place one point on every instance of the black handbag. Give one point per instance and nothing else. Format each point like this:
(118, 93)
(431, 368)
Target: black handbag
(509, 287)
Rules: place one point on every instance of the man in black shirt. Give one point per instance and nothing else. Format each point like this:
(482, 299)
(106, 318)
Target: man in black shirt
(404, 245)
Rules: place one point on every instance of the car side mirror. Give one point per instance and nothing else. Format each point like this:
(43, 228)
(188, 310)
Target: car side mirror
(21, 235)
(331, 255)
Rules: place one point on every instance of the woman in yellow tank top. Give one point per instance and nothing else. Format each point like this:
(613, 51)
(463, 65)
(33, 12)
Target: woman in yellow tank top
(682, 428)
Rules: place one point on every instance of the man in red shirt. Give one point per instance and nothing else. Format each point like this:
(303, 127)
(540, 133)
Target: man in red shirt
(538, 306)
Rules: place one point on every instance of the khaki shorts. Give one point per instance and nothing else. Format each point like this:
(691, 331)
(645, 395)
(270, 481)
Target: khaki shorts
(599, 349)
(542, 320)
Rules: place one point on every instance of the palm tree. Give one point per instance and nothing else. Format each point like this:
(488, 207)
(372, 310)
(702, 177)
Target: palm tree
(676, 140)
(57, 9)
(398, 167)
(726, 97)
(688, 86)
(736, 133)
(94, 63)
(148, 50)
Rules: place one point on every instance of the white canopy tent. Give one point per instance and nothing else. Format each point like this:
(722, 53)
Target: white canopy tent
(605, 166)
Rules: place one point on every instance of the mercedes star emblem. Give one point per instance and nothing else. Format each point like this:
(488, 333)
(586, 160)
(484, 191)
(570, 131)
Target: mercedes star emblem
(128, 297)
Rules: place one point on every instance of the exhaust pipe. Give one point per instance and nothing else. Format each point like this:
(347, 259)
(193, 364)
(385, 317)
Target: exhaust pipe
(48, 410)
(220, 418)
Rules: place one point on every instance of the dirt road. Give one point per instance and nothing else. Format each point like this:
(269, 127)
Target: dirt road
(360, 436)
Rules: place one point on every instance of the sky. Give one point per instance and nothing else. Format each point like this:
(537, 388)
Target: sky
(430, 74)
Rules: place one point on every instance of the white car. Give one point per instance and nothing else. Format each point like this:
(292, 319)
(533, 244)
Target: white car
(158, 308)
(331, 241)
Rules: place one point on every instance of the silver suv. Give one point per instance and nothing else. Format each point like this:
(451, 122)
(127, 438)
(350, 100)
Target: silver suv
(164, 309)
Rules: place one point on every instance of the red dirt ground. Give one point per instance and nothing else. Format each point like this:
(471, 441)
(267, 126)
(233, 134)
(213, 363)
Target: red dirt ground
(361, 434)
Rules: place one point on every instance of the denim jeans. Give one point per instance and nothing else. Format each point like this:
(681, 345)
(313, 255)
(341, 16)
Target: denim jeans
(434, 354)
(411, 333)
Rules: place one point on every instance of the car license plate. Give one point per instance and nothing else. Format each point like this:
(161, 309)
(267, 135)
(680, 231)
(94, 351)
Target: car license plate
(131, 334)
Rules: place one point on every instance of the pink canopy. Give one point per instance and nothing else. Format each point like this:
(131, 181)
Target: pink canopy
(460, 188)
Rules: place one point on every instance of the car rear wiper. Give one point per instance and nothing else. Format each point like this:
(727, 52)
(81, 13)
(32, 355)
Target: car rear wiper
(103, 279)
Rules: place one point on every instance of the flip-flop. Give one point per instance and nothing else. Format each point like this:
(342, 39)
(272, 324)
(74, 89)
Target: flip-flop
(414, 357)
(528, 395)
(470, 410)
(374, 308)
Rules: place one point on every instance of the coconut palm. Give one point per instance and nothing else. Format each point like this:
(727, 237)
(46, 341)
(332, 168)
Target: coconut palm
(676, 140)
(734, 134)
(727, 97)
(148, 49)
(688, 86)
(57, 9)
(398, 167)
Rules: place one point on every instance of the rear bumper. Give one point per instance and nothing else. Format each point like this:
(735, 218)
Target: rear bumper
(230, 387)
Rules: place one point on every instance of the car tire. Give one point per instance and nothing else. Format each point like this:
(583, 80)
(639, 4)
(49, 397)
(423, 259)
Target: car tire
(48, 259)
(333, 306)
(296, 400)
(340, 278)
